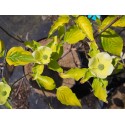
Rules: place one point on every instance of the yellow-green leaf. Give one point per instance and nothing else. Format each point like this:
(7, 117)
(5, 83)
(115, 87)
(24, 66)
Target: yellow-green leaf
(61, 32)
(53, 65)
(67, 97)
(18, 56)
(46, 82)
(99, 87)
(85, 25)
(8, 105)
(98, 22)
(112, 42)
(4, 92)
(2, 48)
(93, 49)
(32, 45)
(74, 35)
(53, 44)
(37, 70)
(86, 76)
(115, 61)
(119, 68)
(107, 21)
(120, 22)
(57, 48)
(74, 73)
(58, 23)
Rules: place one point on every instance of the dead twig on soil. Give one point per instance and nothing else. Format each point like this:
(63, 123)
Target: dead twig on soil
(19, 79)
(19, 40)
(18, 88)
(66, 53)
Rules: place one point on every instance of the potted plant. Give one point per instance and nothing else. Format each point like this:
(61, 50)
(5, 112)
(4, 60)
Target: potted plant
(104, 57)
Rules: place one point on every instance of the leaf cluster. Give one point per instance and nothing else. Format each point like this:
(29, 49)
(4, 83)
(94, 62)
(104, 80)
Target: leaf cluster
(111, 43)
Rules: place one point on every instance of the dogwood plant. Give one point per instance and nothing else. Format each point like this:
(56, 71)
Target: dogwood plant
(101, 62)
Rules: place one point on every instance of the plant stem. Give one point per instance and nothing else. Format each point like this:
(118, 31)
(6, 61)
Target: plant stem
(110, 24)
(21, 41)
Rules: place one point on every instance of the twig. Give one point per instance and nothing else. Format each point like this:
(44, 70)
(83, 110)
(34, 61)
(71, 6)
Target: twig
(11, 35)
(70, 49)
(74, 59)
(19, 80)
(20, 39)
(85, 52)
(18, 89)
(89, 83)
(116, 19)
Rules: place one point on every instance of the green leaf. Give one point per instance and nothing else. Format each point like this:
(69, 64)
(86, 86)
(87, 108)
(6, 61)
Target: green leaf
(107, 21)
(57, 49)
(46, 82)
(18, 56)
(32, 45)
(93, 49)
(37, 70)
(115, 61)
(53, 44)
(119, 68)
(8, 105)
(61, 32)
(53, 65)
(85, 25)
(99, 87)
(74, 73)
(74, 35)
(67, 97)
(58, 23)
(98, 22)
(2, 48)
(120, 22)
(4, 81)
(104, 83)
(4, 92)
(86, 76)
(112, 42)
(42, 55)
